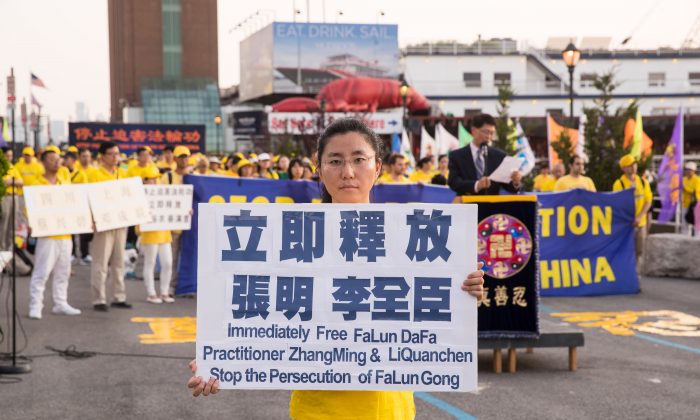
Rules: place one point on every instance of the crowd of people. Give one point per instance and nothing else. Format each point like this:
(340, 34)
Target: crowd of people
(466, 171)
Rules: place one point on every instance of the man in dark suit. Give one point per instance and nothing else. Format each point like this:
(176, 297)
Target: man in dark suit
(471, 165)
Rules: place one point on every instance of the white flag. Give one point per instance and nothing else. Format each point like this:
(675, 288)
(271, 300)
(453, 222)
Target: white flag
(428, 146)
(406, 149)
(524, 151)
(580, 149)
(446, 142)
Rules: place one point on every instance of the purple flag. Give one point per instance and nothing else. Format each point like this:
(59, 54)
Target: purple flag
(671, 172)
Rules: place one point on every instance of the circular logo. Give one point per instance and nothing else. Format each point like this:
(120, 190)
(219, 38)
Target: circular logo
(505, 245)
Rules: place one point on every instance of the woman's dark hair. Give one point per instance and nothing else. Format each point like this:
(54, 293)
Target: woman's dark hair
(292, 163)
(424, 161)
(344, 126)
(440, 157)
(439, 179)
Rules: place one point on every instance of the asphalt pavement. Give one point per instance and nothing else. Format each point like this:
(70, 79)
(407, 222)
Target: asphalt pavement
(140, 368)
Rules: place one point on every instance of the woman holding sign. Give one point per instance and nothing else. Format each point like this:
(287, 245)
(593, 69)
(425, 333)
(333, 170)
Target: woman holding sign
(349, 165)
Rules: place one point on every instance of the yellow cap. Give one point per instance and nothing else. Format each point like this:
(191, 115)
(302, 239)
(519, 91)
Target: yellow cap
(147, 149)
(276, 158)
(52, 148)
(252, 155)
(181, 151)
(73, 149)
(240, 155)
(244, 162)
(627, 160)
(28, 151)
(150, 172)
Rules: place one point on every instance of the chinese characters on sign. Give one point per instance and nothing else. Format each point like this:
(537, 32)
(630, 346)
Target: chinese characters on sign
(57, 210)
(337, 296)
(130, 137)
(118, 204)
(170, 207)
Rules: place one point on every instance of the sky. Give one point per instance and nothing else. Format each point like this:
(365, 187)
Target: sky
(65, 42)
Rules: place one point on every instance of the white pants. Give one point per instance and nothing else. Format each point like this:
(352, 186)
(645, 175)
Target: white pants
(165, 252)
(51, 257)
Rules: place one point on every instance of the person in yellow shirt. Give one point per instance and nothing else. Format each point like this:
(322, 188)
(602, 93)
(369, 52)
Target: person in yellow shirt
(691, 190)
(232, 166)
(642, 200)
(166, 162)
(75, 175)
(396, 170)
(52, 253)
(246, 169)
(265, 167)
(11, 194)
(108, 246)
(176, 177)
(544, 181)
(28, 167)
(443, 166)
(144, 163)
(202, 166)
(575, 179)
(84, 162)
(423, 172)
(63, 172)
(156, 244)
(215, 166)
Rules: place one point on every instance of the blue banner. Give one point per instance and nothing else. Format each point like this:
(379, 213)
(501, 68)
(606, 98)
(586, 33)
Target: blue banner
(130, 137)
(586, 239)
(587, 243)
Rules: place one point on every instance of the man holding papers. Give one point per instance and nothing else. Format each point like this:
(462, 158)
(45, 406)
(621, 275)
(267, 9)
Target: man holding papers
(471, 166)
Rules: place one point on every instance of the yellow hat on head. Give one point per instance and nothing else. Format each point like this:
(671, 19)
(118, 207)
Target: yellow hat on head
(28, 151)
(244, 162)
(627, 160)
(181, 151)
(252, 155)
(150, 172)
(53, 148)
(73, 149)
(240, 155)
(276, 158)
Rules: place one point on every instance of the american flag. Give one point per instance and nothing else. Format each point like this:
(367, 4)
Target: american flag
(35, 102)
(37, 82)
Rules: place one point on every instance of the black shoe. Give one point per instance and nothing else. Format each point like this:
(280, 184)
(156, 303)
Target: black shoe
(123, 305)
(101, 307)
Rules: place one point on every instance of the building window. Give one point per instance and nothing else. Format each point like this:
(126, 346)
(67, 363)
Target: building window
(472, 79)
(555, 112)
(587, 80)
(694, 78)
(657, 79)
(501, 79)
(551, 82)
(468, 112)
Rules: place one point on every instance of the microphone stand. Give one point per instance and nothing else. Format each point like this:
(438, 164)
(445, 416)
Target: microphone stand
(15, 368)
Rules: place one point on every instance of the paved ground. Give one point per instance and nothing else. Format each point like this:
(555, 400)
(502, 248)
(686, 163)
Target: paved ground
(636, 377)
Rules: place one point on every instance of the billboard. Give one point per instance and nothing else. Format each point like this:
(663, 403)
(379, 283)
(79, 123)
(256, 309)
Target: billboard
(300, 58)
(129, 137)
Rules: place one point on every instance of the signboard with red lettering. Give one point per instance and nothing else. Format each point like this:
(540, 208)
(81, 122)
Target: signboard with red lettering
(310, 123)
(130, 137)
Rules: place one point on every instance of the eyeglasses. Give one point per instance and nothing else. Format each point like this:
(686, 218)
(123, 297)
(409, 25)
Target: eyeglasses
(356, 162)
(487, 132)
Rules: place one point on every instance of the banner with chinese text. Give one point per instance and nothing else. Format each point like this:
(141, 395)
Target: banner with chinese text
(130, 137)
(57, 210)
(337, 297)
(507, 245)
(118, 204)
(170, 207)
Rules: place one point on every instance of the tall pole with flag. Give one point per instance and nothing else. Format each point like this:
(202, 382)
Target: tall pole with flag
(671, 174)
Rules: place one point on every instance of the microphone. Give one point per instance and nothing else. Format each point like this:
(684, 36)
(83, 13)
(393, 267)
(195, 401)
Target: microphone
(484, 150)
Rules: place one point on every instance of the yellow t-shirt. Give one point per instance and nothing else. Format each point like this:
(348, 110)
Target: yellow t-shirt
(352, 405)
(232, 174)
(101, 174)
(41, 180)
(387, 179)
(138, 171)
(691, 186)
(28, 171)
(161, 164)
(270, 175)
(544, 183)
(568, 182)
(78, 176)
(156, 237)
(13, 173)
(642, 194)
(420, 176)
(171, 178)
(63, 173)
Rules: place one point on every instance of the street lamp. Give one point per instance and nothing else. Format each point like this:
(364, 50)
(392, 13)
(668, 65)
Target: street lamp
(404, 90)
(217, 121)
(570, 55)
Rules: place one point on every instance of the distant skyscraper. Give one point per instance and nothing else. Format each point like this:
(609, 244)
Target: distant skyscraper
(81, 113)
(164, 58)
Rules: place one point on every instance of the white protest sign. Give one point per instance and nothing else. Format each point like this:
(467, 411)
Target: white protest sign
(337, 296)
(170, 207)
(57, 210)
(118, 204)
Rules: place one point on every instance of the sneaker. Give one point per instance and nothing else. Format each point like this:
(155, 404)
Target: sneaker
(72, 259)
(101, 307)
(88, 259)
(83, 261)
(65, 310)
(153, 299)
(167, 299)
(123, 305)
(35, 314)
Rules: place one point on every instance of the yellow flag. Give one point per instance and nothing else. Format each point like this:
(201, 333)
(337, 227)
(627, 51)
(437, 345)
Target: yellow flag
(636, 151)
(5, 130)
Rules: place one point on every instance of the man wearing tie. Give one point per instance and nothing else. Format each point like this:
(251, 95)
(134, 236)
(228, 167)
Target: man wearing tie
(470, 166)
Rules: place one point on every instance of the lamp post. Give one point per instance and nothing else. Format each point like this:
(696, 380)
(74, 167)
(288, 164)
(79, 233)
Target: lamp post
(404, 90)
(217, 121)
(322, 121)
(570, 55)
